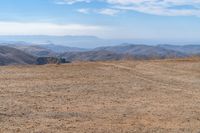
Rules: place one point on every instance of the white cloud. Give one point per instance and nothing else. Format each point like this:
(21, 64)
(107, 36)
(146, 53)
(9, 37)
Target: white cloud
(84, 10)
(160, 7)
(108, 11)
(19, 28)
(156, 7)
(71, 1)
(104, 11)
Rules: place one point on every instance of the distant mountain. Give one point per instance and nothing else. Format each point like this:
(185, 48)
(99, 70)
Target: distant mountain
(35, 50)
(187, 49)
(42, 50)
(61, 49)
(143, 51)
(75, 41)
(26, 53)
(12, 56)
(127, 51)
(100, 55)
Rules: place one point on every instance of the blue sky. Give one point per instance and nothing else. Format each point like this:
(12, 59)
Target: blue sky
(131, 19)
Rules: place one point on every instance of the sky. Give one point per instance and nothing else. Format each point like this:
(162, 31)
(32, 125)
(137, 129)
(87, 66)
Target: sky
(112, 19)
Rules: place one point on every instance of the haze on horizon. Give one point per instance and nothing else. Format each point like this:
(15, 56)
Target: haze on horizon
(163, 20)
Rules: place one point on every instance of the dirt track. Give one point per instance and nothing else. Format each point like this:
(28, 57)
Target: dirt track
(102, 97)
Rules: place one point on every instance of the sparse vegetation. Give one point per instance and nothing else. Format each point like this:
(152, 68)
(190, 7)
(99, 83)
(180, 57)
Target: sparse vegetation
(50, 60)
(125, 96)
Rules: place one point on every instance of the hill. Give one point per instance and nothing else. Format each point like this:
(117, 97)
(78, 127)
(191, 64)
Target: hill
(62, 49)
(11, 56)
(35, 50)
(119, 52)
(42, 50)
(144, 51)
(100, 55)
(187, 49)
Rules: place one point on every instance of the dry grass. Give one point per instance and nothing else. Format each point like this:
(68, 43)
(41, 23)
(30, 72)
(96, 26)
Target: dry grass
(102, 97)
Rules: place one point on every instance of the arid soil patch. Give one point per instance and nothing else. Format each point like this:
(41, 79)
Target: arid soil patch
(101, 97)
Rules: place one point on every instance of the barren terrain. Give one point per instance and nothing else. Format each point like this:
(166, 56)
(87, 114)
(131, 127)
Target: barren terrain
(101, 97)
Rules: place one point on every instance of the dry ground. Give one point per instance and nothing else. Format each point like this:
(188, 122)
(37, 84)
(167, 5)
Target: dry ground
(101, 97)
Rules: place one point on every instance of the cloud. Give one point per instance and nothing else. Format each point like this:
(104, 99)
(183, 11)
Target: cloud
(70, 2)
(160, 7)
(155, 7)
(104, 11)
(84, 10)
(108, 11)
(21, 28)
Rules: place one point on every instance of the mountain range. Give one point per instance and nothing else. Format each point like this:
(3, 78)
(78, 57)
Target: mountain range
(28, 53)
(76, 41)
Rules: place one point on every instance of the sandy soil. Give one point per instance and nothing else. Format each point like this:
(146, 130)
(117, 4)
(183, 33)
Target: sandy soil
(101, 97)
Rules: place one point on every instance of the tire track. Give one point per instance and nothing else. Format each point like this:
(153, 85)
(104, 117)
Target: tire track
(146, 78)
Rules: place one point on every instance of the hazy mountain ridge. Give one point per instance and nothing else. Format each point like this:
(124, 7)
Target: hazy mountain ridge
(144, 51)
(187, 49)
(62, 49)
(42, 50)
(124, 52)
(11, 56)
(119, 52)
(100, 55)
(85, 41)
(36, 50)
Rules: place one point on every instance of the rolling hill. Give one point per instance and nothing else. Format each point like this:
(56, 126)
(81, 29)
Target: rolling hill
(12, 56)
(123, 52)
(35, 50)
(187, 49)
(42, 50)
(144, 51)
(100, 55)
(119, 52)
